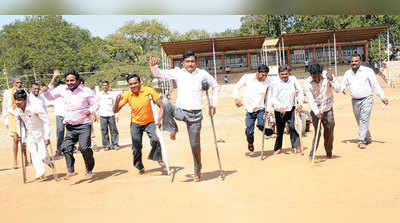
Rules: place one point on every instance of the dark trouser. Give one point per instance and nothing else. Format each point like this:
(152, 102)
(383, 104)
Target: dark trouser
(108, 122)
(137, 135)
(193, 124)
(74, 134)
(328, 122)
(281, 120)
(251, 118)
(60, 131)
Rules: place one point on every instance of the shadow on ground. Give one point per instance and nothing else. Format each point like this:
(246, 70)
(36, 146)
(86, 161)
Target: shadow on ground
(101, 176)
(210, 175)
(355, 141)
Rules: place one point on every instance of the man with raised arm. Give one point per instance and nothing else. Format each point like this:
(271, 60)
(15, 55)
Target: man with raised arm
(189, 102)
(80, 104)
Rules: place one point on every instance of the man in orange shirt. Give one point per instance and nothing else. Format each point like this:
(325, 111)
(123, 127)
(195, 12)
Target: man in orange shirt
(142, 119)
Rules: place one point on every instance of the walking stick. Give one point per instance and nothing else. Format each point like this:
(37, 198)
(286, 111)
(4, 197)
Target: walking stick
(54, 171)
(22, 153)
(204, 87)
(317, 136)
(160, 137)
(265, 120)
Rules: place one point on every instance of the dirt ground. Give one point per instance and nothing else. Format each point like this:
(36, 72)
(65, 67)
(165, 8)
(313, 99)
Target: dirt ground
(356, 185)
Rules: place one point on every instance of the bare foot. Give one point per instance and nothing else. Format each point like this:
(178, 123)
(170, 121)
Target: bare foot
(172, 135)
(278, 151)
(141, 172)
(89, 176)
(197, 176)
(69, 175)
(162, 164)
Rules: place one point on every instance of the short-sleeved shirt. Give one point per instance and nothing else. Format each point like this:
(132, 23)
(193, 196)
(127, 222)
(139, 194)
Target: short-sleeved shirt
(141, 111)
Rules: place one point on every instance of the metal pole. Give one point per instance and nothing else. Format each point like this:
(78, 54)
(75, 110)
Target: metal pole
(388, 50)
(329, 53)
(334, 46)
(380, 53)
(215, 65)
(280, 57)
(283, 51)
(266, 56)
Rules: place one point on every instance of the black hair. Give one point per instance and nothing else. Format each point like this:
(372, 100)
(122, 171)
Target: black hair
(105, 81)
(315, 68)
(82, 80)
(132, 76)
(73, 72)
(20, 94)
(283, 67)
(356, 55)
(187, 54)
(263, 68)
(35, 83)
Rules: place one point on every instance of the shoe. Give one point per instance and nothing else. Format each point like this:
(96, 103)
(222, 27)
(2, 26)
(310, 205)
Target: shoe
(197, 176)
(362, 145)
(250, 147)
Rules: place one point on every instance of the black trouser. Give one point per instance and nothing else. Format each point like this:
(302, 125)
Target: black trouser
(281, 120)
(60, 126)
(328, 122)
(137, 135)
(108, 122)
(75, 133)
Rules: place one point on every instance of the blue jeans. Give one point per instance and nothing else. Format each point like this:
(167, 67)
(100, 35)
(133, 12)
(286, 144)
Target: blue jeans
(251, 118)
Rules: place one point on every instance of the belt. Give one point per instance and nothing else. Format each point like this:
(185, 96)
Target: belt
(192, 111)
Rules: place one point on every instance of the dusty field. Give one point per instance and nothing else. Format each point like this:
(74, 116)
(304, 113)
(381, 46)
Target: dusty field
(356, 186)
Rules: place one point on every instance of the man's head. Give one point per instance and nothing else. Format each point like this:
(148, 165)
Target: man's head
(17, 83)
(134, 83)
(316, 72)
(35, 89)
(262, 72)
(355, 62)
(105, 85)
(20, 99)
(72, 79)
(284, 72)
(189, 61)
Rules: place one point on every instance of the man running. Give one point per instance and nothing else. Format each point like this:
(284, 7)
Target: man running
(189, 102)
(142, 119)
(255, 90)
(34, 119)
(283, 94)
(80, 104)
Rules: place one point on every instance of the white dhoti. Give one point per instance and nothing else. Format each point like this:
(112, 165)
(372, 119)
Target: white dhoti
(39, 153)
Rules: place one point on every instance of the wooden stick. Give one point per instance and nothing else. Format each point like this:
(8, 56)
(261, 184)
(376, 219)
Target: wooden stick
(22, 153)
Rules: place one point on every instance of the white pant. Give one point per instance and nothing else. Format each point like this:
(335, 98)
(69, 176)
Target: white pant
(38, 152)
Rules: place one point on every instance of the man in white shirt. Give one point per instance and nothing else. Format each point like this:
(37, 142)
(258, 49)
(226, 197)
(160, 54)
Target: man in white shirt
(189, 102)
(34, 118)
(8, 105)
(106, 100)
(283, 97)
(319, 91)
(362, 81)
(35, 97)
(255, 90)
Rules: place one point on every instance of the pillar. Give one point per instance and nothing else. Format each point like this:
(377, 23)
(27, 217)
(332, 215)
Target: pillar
(288, 57)
(248, 61)
(366, 51)
(314, 56)
(223, 61)
(340, 53)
